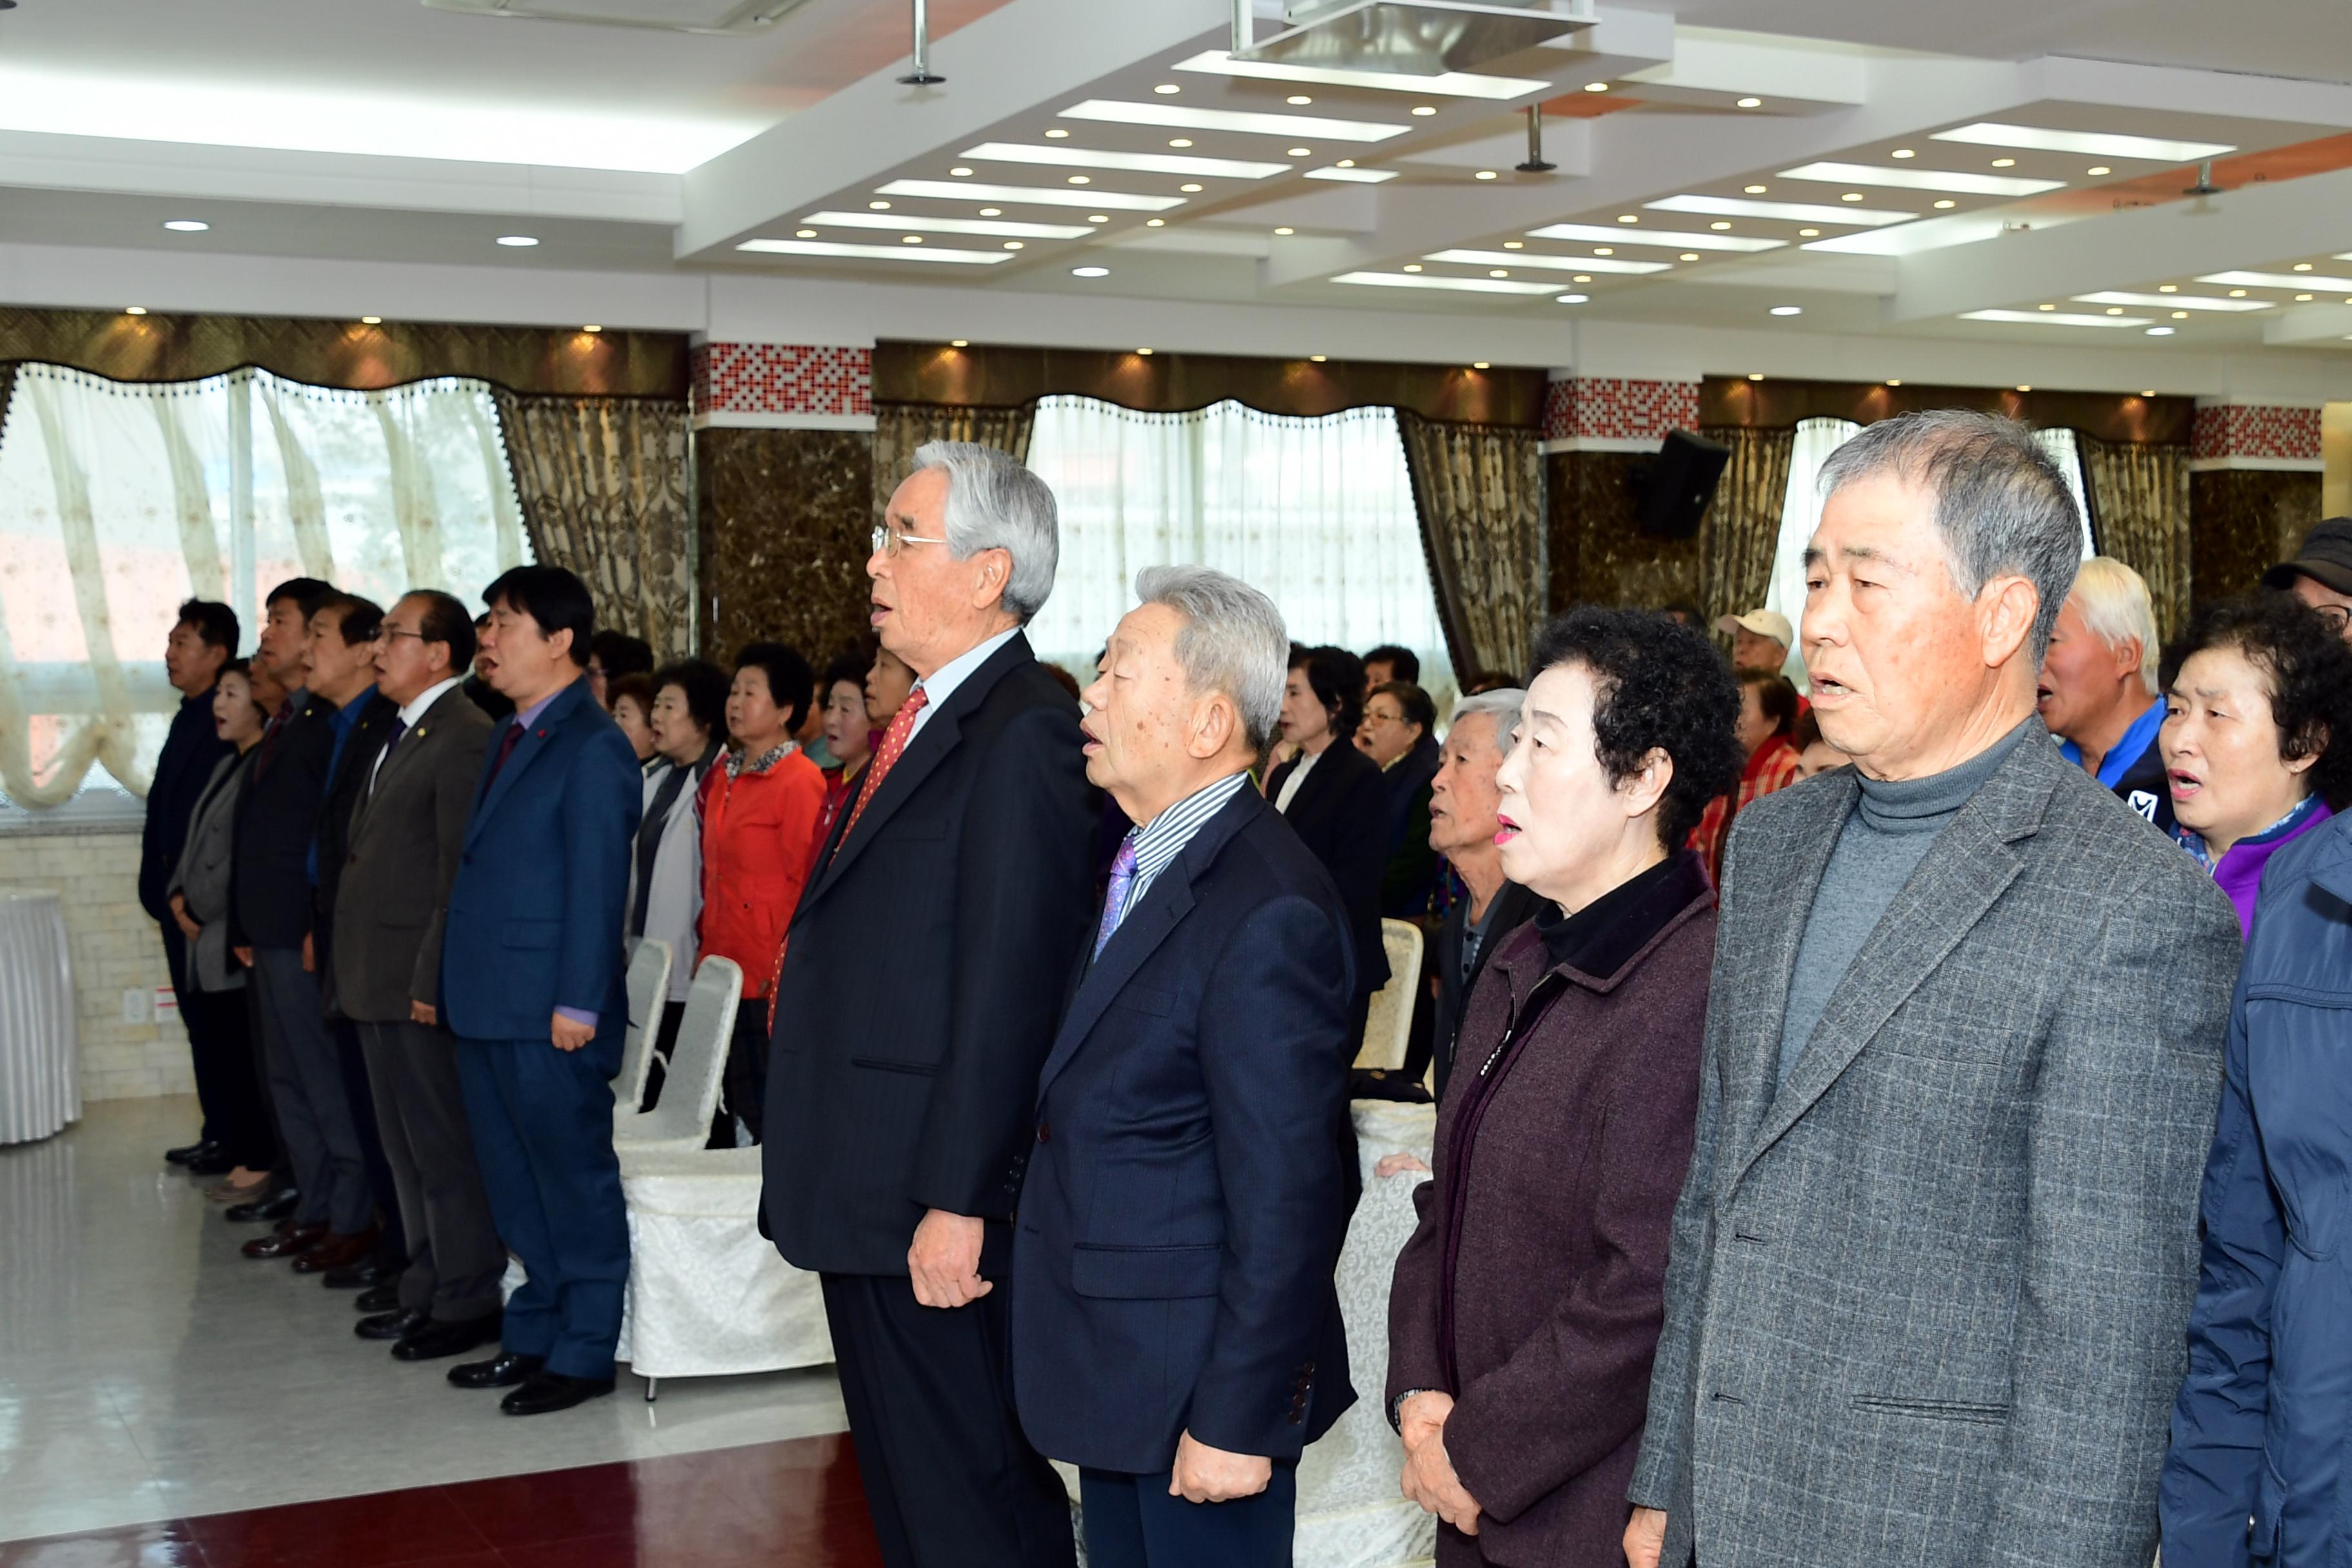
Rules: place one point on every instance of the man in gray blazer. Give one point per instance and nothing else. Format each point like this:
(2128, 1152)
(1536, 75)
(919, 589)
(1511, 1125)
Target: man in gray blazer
(1933, 1264)
(407, 831)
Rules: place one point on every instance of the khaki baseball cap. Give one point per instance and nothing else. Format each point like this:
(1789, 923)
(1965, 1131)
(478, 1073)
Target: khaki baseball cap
(1763, 623)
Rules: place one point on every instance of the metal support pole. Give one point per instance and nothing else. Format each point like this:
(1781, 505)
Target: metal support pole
(921, 75)
(1243, 28)
(1536, 163)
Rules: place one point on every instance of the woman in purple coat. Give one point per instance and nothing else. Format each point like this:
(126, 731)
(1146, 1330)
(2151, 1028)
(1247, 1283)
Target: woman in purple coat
(1527, 1306)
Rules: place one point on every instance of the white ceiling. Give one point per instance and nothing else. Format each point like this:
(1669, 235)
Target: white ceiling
(385, 133)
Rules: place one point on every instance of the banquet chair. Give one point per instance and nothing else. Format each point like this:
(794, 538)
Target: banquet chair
(649, 983)
(690, 1095)
(1388, 1028)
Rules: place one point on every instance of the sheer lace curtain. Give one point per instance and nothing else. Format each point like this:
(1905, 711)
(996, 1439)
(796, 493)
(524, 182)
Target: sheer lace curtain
(1317, 514)
(120, 499)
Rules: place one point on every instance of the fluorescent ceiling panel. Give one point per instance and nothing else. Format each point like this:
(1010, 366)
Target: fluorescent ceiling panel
(1037, 195)
(2089, 144)
(1921, 180)
(2052, 319)
(1557, 263)
(1452, 84)
(875, 252)
(1145, 163)
(1666, 239)
(2171, 301)
(1002, 228)
(1354, 176)
(2298, 281)
(1794, 212)
(1460, 285)
(1175, 116)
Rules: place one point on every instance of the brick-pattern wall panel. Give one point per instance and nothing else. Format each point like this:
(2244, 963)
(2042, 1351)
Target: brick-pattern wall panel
(787, 522)
(2250, 430)
(2240, 521)
(1607, 408)
(1598, 552)
(783, 378)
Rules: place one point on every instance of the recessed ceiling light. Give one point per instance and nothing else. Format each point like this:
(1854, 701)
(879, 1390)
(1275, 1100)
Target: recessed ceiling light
(944, 225)
(1097, 217)
(518, 241)
(2114, 309)
(2148, 392)
(1571, 298)
(1463, 285)
(1483, 174)
(1901, 152)
(135, 310)
(1945, 204)
(2061, 319)
(1180, 141)
(910, 239)
(1920, 180)
(2303, 267)
(1155, 223)
(185, 226)
(1629, 217)
(1689, 255)
(1345, 163)
(1596, 86)
(1145, 353)
(1788, 310)
(1033, 195)
(1514, 245)
(1851, 197)
(2024, 386)
(1346, 169)
(2278, 280)
(1190, 189)
(960, 172)
(1581, 277)
(2093, 144)
(871, 252)
(2168, 287)
(1080, 179)
(1412, 267)
(1752, 103)
(371, 321)
(2045, 307)
(1014, 245)
(1058, 134)
(878, 206)
(1755, 375)
(1794, 212)
(1451, 84)
(992, 212)
(2237, 293)
(1176, 117)
(1318, 359)
(2299, 299)
(1604, 250)
(1285, 229)
(592, 328)
(1808, 233)
(1423, 110)
(2094, 171)
(2160, 331)
(960, 343)
(1299, 153)
(1720, 224)
(2004, 162)
(1663, 238)
(1479, 365)
(1499, 272)
(1298, 101)
(1583, 266)
(1894, 381)
(808, 233)
(1168, 89)
(2180, 315)
(1089, 271)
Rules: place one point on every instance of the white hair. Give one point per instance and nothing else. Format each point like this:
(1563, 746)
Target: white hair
(1503, 705)
(1234, 641)
(994, 502)
(2116, 607)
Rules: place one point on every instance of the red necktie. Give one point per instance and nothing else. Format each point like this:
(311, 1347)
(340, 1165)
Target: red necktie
(269, 733)
(894, 746)
(506, 750)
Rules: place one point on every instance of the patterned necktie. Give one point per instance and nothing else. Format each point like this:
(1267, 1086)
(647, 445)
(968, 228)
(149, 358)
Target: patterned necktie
(1122, 880)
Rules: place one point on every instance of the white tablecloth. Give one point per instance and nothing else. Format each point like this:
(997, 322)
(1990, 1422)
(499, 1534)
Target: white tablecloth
(40, 1081)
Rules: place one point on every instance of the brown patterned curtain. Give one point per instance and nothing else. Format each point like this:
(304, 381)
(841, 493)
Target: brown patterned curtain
(1479, 491)
(1742, 529)
(603, 482)
(901, 428)
(2139, 515)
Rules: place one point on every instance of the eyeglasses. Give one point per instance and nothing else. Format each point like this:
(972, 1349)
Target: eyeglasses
(887, 541)
(2337, 617)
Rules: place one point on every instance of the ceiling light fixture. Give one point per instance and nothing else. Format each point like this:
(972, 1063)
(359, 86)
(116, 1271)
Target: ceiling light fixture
(1318, 359)
(1089, 271)
(1755, 190)
(944, 225)
(1920, 180)
(1180, 141)
(135, 310)
(2168, 287)
(2300, 299)
(2278, 280)
(1012, 245)
(1176, 117)
(1571, 298)
(1499, 272)
(1945, 204)
(2160, 331)
(2160, 301)
(1191, 189)
(1451, 84)
(1483, 174)
(960, 343)
(185, 226)
(518, 241)
(1423, 110)
(1629, 217)
(2148, 392)
(1347, 170)
(811, 234)
(1412, 267)
(1145, 353)
(592, 329)
(2303, 267)
(2092, 143)
(371, 321)
(2004, 162)
(1522, 244)
(1168, 89)
(1689, 255)
(1581, 277)
(1479, 365)
(1034, 195)
(1299, 153)
(1755, 375)
(1463, 285)
(1139, 162)
(1788, 310)
(910, 239)
(2024, 386)
(1080, 179)
(1596, 86)
(2050, 318)
(1058, 134)
(1901, 152)
(878, 206)
(1584, 266)
(1597, 250)
(1720, 224)
(2094, 171)
(1794, 212)
(1894, 381)
(1097, 217)
(960, 172)
(1286, 230)
(1751, 104)
(2045, 307)
(871, 252)
(1155, 223)
(1663, 238)
(1808, 233)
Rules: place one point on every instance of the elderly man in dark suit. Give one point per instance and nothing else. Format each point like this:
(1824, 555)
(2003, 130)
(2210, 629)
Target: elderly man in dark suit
(1932, 1266)
(1176, 1332)
(406, 832)
(955, 891)
(203, 640)
(531, 983)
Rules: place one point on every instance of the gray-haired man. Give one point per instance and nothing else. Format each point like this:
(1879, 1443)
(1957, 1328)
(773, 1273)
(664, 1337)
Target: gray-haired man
(1934, 1260)
(950, 900)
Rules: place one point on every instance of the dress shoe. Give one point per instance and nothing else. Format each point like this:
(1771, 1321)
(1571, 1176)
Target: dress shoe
(551, 1391)
(212, 1161)
(396, 1325)
(292, 1242)
(187, 1152)
(433, 1339)
(336, 1252)
(268, 1207)
(503, 1373)
(366, 1275)
(382, 1298)
(256, 1186)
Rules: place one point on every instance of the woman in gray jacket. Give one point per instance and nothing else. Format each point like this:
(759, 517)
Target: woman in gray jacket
(213, 1008)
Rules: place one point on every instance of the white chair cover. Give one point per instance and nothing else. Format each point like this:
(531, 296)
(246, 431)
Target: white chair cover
(690, 1095)
(649, 983)
(1388, 1029)
(40, 1078)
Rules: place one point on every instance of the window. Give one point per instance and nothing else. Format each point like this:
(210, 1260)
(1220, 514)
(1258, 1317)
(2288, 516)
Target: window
(1317, 514)
(117, 501)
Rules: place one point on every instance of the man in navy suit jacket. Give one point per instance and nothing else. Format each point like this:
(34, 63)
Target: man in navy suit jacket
(1175, 1329)
(531, 984)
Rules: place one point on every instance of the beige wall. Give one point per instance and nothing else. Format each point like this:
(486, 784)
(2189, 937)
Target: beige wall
(2336, 450)
(115, 948)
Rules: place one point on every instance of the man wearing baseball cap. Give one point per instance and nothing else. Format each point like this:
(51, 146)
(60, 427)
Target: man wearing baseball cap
(1760, 639)
(2321, 574)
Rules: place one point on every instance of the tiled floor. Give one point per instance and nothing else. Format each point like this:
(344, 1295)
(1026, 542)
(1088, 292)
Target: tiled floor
(148, 1372)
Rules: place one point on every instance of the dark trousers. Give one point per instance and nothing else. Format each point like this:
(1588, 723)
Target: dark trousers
(383, 1193)
(306, 1083)
(454, 1261)
(949, 1479)
(175, 963)
(1133, 1522)
(745, 1082)
(220, 1040)
(543, 1126)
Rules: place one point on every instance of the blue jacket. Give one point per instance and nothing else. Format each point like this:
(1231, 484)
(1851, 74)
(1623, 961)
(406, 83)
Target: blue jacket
(536, 912)
(2264, 1422)
(1185, 1197)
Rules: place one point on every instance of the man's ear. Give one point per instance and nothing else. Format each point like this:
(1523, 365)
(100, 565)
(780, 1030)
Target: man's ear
(2006, 608)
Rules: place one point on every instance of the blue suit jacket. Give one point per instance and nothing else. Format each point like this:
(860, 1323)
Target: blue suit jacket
(536, 912)
(1185, 1197)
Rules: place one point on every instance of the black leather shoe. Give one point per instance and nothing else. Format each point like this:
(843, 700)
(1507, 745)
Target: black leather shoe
(551, 1391)
(382, 1298)
(391, 1325)
(366, 1274)
(187, 1152)
(266, 1209)
(212, 1162)
(504, 1372)
(433, 1338)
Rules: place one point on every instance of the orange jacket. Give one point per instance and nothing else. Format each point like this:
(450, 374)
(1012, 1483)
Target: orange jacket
(759, 832)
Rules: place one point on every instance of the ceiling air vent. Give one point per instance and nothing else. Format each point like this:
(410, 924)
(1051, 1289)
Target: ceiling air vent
(1416, 37)
(735, 16)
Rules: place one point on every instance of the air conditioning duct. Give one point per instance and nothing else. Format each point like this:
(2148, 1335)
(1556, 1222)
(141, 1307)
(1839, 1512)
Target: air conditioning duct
(723, 17)
(1416, 37)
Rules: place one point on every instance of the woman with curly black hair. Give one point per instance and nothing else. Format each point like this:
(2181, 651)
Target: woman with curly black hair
(2257, 736)
(1526, 1308)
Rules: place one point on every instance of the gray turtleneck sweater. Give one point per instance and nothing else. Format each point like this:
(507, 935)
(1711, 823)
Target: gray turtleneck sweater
(1893, 824)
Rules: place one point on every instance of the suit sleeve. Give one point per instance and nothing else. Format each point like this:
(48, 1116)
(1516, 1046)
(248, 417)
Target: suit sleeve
(1415, 1357)
(602, 800)
(1025, 891)
(1274, 1019)
(1414, 864)
(2114, 1141)
(453, 806)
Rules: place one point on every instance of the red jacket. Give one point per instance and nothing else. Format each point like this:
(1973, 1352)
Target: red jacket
(759, 833)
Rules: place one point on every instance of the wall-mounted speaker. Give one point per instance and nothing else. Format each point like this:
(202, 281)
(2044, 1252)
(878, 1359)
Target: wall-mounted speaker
(1671, 492)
